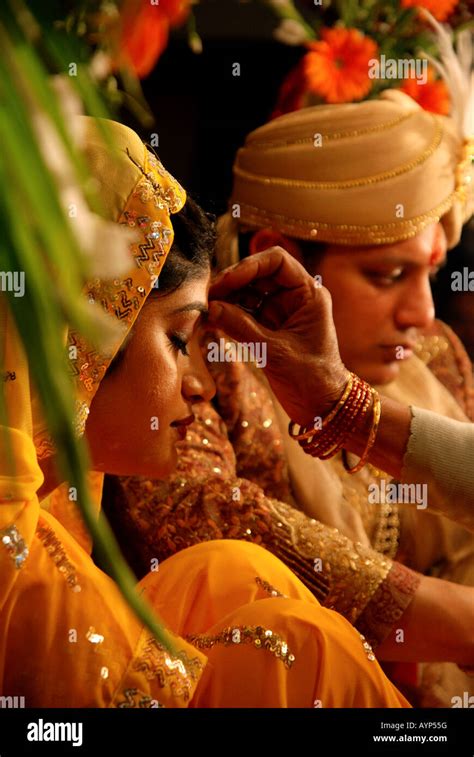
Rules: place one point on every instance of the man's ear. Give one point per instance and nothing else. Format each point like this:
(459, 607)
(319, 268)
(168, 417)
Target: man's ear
(440, 246)
(265, 238)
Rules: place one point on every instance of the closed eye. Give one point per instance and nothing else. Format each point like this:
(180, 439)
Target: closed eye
(178, 343)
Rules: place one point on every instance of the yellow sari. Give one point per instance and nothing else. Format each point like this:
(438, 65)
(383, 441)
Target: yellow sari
(248, 633)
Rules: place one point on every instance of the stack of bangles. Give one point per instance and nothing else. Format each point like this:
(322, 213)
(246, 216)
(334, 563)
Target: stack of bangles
(325, 438)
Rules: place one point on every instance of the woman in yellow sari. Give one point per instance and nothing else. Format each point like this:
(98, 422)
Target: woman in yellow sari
(250, 634)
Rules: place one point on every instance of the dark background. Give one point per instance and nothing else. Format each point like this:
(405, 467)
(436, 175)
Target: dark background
(202, 111)
(203, 114)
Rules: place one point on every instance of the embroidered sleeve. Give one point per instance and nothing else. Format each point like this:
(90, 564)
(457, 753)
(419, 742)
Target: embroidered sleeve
(367, 588)
(205, 500)
(388, 603)
(444, 354)
(245, 405)
(153, 670)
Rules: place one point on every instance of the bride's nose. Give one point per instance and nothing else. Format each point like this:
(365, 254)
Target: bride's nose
(198, 383)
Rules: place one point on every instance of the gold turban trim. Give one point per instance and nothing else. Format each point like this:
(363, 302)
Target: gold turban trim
(365, 173)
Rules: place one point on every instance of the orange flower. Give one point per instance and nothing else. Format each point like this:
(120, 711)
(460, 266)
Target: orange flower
(145, 29)
(440, 9)
(432, 96)
(337, 66)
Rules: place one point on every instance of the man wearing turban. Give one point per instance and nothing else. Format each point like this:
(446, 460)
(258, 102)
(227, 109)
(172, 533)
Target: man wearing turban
(368, 197)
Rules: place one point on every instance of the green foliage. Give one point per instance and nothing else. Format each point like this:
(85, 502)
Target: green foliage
(37, 238)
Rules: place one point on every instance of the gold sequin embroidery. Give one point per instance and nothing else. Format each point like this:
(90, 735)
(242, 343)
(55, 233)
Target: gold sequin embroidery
(430, 347)
(268, 588)
(15, 545)
(144, 701)
(367, 648)
(344, 233)
(260, 637)
(56, 551)
(353, 571)
(177, 671)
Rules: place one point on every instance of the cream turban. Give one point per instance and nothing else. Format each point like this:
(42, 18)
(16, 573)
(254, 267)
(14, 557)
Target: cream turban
(355, 174)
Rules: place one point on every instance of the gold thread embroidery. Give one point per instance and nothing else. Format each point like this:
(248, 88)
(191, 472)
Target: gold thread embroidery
(80, 418)
(268, 588)
(345, 233)
(350, 183)
(44, 445)
(55, 550)
(267, 144)
(367, 648)
(354, 572)
(175, 671)
(430, 347)
(155, 190)
(260, 637)
(130, 701)
(387, 531)
(15, 545)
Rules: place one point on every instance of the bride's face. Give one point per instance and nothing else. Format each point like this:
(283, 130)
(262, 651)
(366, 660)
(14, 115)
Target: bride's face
(382, 299)
(144, 403)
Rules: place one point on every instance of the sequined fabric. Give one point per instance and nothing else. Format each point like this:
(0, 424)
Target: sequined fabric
(389, 601)
(259, 637)
(206, 499)
(444, 354)
(155, 195)
(177, 671)
(15, 545)
(134, 699)
(381, 522)
(56, 551)
(268, 588)
(355, 573)
(177, 675)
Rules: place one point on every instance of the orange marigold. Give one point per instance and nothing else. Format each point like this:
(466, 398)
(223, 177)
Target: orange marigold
(432, 96)
(440, 9)
(336, 68)
(145, 29)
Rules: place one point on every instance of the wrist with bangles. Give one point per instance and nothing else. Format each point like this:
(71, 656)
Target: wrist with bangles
(357, 403)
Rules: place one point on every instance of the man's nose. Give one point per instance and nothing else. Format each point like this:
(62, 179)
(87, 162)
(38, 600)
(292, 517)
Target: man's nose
(415, 307)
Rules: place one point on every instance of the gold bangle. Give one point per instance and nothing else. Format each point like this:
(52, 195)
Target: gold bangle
(331, 439)
(328, 418)
(376, 411)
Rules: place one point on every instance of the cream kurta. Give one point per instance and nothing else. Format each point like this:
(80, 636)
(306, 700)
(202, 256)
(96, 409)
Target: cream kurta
(427, 541)
(440, 452)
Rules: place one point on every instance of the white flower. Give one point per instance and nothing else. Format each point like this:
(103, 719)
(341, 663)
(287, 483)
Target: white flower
(100, 66)
(104, 244)
(291, 32)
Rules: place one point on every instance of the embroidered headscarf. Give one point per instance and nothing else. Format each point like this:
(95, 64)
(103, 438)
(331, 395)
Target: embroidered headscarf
(135, 190)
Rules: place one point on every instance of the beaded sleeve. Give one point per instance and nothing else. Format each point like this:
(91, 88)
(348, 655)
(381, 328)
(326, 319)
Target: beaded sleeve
(205, 499)
(444, 354)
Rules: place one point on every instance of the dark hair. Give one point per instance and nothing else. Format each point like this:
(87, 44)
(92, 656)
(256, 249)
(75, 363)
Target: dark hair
(192, 250)
(312, 252)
